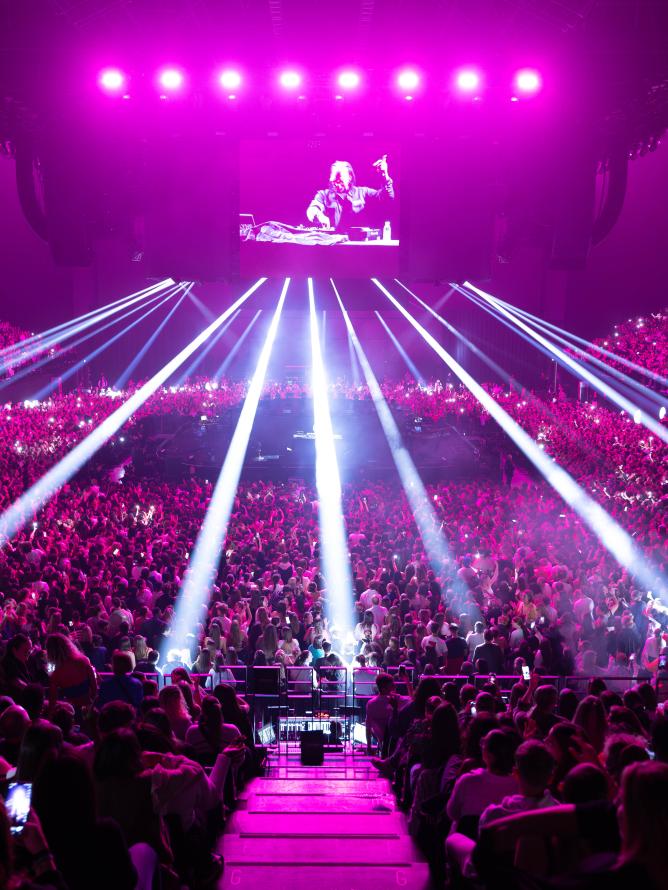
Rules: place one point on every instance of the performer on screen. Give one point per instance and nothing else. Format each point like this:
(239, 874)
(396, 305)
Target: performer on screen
(336, 206)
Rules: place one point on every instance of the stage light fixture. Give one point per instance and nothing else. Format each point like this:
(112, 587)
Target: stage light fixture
(468, 80)
(171, 79)
(290, 79)
(527, 82)
(408, 80)
(230, 79)
(111, 80)
(348, 80)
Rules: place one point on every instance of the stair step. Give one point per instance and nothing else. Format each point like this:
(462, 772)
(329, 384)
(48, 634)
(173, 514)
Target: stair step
(321, 803)
(240, 850)
(346, 787)
(306, 877)
(331, 824)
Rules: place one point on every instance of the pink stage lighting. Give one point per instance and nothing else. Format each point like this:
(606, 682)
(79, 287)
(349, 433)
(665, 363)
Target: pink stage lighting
(111, 80)
(170, 79)
(467, 80)
(290, 80)
(527, 81)
(230, 79)
(348, 80)
(408, 80)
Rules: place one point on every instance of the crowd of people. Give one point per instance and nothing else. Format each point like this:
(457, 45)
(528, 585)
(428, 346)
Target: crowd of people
(12, 355)
(641, 341)
(156, 743)
(527, 786)
(10, 335)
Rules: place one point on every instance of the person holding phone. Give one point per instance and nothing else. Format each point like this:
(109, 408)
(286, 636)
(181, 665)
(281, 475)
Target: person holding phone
(25, 855)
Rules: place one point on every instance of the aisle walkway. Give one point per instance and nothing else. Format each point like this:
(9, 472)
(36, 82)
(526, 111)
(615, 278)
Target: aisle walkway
(334, 825)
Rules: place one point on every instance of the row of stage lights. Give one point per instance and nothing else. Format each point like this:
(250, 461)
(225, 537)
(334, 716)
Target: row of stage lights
(408, 82)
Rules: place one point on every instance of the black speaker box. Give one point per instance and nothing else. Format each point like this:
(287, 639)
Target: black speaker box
(312, 747)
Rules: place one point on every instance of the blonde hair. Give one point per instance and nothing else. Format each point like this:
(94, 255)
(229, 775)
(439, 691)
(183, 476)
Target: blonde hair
(172, 701)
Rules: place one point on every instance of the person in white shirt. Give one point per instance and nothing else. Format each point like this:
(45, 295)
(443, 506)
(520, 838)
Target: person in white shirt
(534, 766)
(476, 637)
(288, 645)
(651, 650)
(475, 791)
(366, 627)
(378, 611)
(366, 598)
(434, 639)
(583, 606)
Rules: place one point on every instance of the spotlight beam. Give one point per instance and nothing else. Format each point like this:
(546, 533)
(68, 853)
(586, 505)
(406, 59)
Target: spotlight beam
(574, 366)
(354, 363)
(610, 534)
(408, 361)
(206, 554)
(237, 346)
(573, 435)
(425, 517)
(560, 335)
(39, 342)
(37, 495)
(663, 381)
(514, 384)
(74, 369)
(203, 308)
(333, 540)
(125, 376)
(197, 361)
(40, 363)
(625, 383)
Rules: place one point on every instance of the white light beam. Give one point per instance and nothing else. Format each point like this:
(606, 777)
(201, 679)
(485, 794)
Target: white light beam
(333, 541)
(43, 490)
(611, 535)
(205, 558)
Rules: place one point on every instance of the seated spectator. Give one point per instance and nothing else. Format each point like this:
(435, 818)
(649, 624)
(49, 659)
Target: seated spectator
(172, 701)
(121, 686)
(210, 736)
(534, 765)
(478, 789)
